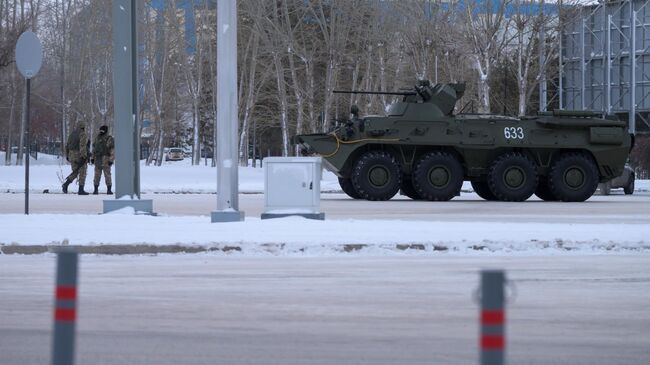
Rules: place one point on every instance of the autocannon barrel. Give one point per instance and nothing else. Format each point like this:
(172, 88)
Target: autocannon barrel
(374, 92)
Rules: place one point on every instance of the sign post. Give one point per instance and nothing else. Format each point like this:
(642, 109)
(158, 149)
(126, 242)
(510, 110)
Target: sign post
(29, 58)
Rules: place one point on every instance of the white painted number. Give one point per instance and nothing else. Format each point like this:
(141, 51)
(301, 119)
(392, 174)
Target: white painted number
(513, 132)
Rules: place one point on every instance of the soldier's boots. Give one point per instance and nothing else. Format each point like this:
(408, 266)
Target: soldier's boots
(65, 186)
(96, 191)
(82, 191)
(109, 191)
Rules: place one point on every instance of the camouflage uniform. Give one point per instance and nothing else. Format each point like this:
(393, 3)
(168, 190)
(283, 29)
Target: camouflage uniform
(77, 154)
(103, 157)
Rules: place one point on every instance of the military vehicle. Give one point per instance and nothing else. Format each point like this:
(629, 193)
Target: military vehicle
(425, 150)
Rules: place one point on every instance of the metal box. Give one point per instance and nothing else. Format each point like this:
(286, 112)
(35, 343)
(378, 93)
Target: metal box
(292, 187)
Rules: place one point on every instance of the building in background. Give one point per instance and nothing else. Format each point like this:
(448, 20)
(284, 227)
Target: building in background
(606, 50)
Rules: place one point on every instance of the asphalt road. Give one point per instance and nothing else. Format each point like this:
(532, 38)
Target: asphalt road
(617, 208)
(208, 309)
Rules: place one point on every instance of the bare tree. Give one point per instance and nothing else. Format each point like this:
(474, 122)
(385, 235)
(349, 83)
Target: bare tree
(487, 33)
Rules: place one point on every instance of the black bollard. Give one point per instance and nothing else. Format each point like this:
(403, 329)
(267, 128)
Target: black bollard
(65, 308)
(493, 334)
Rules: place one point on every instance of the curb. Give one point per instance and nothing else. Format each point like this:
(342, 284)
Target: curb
(144, 249)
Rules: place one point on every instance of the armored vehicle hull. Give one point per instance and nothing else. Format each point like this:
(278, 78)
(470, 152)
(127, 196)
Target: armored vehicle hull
(425, 151)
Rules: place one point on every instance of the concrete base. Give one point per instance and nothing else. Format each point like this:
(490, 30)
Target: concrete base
(317, 216)
(222, 216)
(141, 206)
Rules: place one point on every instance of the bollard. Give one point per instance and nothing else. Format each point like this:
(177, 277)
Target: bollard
(493, 334)
(65, 308)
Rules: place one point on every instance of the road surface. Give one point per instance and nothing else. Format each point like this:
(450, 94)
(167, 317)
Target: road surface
(210, 309)
(617, 208)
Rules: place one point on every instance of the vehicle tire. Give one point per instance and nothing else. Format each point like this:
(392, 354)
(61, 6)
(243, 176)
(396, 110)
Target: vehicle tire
(482, 189)
(543, 191)
(376, 176)
(573, 177)
(407, 188)
(348, 188)
(629, 189)
(512, 177)
(438, 176)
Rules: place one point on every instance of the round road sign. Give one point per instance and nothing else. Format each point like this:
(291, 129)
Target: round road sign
(29, 54)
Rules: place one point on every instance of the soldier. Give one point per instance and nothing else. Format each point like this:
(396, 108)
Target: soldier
(103, 157)
(76, 151)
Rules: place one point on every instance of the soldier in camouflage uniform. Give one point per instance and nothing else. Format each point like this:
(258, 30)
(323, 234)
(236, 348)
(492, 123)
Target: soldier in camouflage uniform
(103, 157)
(76, 151)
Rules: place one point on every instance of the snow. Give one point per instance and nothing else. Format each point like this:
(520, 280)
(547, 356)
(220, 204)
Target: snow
(48, 172)
(295, 235)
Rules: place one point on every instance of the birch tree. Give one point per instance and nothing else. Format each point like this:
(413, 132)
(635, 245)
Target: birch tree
(486, 34)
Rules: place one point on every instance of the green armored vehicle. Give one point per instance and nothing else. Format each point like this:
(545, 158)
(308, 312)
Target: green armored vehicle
(421, 148)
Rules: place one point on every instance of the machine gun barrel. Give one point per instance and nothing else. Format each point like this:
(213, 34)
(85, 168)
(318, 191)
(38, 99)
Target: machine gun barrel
(374, 92)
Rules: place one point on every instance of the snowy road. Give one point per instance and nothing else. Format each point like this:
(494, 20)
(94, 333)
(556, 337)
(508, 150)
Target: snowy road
(211, 309)
(468, 207)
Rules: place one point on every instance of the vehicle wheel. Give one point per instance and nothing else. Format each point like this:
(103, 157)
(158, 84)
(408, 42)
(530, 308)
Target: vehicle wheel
(543, 191)
(629, 190)
(376, 176)
(573, 177)
(512, 177)
(407, 188)
(482, 189)
(438, 176)
(348, 188)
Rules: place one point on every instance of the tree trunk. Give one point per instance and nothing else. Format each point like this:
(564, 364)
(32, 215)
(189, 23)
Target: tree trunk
(311, 88)
(10, 129)
(249, 104)
(284, 109)
(483, 86)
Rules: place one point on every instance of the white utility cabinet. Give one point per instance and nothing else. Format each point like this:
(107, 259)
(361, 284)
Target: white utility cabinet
(292, 187)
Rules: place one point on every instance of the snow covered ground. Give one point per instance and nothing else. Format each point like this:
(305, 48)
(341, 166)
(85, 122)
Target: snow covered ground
(299, 236)
(48, 172)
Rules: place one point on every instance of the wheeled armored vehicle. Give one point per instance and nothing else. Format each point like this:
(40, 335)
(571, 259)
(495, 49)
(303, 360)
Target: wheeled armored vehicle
(423, 149)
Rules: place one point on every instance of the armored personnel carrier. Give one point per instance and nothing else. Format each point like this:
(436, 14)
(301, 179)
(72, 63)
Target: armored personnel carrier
(423, 149)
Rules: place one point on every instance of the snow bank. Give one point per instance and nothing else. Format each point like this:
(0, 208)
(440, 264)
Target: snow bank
(294, 235)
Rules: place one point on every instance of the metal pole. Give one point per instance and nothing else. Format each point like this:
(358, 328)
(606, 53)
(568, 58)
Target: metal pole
(27, 142)
(542, 62)
(125, 99)
(134, 99)
(559, 58)
(65, 310)
(608, 65)
(582, 64)
(632, 116)
(493, 336)
(227, 115)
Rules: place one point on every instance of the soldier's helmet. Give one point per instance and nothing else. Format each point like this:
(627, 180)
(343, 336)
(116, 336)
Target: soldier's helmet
(103, 129)
(81, 125)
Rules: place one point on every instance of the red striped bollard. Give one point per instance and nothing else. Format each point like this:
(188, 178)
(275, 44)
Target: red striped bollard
(65, 308)
(493, 332)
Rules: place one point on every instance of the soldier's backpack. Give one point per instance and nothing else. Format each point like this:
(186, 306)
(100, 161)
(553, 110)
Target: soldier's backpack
(73, 141)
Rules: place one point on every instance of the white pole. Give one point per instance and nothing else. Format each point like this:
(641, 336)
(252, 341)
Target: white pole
(227, 114)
